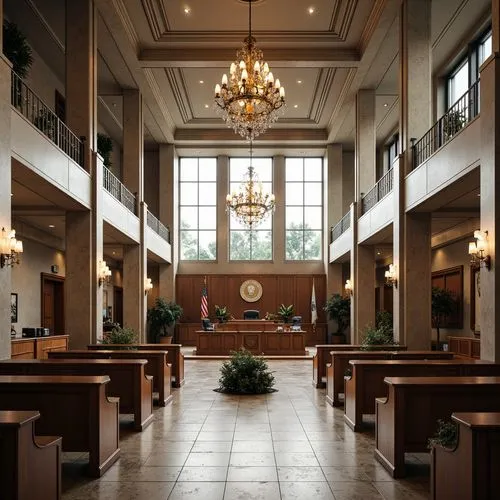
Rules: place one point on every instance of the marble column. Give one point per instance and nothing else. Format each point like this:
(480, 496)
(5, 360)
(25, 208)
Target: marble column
(81, 73)
(169, 215)
(5, 202)
(490, 192)
(84, 245)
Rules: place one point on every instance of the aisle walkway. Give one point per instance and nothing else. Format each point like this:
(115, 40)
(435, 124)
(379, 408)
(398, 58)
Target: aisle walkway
(286, 445)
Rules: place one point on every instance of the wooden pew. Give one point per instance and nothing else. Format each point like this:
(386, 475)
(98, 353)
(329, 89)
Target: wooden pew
(174, 356)
(322, 358)
(339, 364)
(157, 366)
(30, 465)
(129, 381)
(469, 471)
(75, 407)
(366, 382)
(407, 418)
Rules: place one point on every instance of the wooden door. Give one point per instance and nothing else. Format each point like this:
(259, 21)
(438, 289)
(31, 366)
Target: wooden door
(52, 303)
(118, 305)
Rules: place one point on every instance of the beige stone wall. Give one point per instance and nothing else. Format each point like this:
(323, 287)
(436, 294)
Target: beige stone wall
(36, 259)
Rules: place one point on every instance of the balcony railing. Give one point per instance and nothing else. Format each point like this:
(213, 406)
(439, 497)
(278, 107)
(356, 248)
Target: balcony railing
(115, 187)
(341, 227)
(43, 118)
(454, 120)
(158, 227)
(377, 192)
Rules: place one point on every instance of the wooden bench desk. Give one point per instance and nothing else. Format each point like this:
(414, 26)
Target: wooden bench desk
(340, 363)
(322, 358)
(157, 366)
(470, 470)
(174, 356)
(74, 407)
(407, 418)
(366, 382)
(129, 381)
(31, 465)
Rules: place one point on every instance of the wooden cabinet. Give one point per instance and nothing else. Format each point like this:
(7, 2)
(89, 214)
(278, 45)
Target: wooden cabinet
(465, 346)
(37, 348)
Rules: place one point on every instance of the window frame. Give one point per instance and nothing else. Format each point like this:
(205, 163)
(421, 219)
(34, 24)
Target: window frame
(270, 217)
(198, 206)
(304, 206)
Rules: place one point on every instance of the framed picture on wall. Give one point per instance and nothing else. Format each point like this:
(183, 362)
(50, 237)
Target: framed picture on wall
(13, 307)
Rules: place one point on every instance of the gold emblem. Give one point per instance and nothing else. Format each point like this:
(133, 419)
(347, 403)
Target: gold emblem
(251, 290)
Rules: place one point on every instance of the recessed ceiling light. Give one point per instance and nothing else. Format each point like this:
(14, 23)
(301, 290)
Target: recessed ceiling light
(187, 10)
(52, 226)
(385, 105)
(114, 253)
(299, 81)
(202, 81)
(295, 105)
(311, 10)
(207, 106)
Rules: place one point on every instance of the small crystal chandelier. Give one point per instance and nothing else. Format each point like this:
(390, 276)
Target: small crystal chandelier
(250, 101)
(10, 248)
(250, 206)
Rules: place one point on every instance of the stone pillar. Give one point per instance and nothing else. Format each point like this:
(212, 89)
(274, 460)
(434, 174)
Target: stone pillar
(133, 143)
(364, 290)
(5, 202)
(347, 180)
(279, 243)
(365, 160)
(169, 215)
(490, 193)
(353, 211)
(134, 277)
(84, 246)
(81, 73)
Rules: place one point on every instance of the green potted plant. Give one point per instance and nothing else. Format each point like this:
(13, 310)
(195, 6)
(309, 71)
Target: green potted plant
(339, 310)
(381, 335)
(222, 313)
(105, 148)
(453, 121)
(161, 318)
(285, 312)
(245, 373)
(119, 335)
(17, 49)
(442, 305)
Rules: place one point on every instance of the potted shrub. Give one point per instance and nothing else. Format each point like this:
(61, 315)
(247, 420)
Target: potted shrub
(105, 148)
(442, 305)
(119, 335)
(339, 310)
(446, 435)
(382, 335)
(161, 318)
(17, 49)
(222, 314)
(285, 312)
(245, 373)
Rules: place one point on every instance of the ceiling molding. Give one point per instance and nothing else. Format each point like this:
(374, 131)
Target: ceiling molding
(46, 25)
(346, 88)
(341, 24)
(321, 96)
(127, 23)
(157, 94)
(371, 25)
(218, 57)
(179, 91)
(156, 15)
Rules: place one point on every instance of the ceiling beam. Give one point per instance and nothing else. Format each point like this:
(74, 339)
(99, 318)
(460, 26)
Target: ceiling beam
(314, 57)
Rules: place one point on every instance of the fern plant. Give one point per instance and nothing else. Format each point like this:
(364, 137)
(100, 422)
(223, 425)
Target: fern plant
(245, 373)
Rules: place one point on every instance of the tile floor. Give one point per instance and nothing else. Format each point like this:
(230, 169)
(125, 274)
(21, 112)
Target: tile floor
(211, 446)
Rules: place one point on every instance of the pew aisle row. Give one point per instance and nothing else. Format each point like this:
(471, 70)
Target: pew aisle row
(407, 392)
(72, 401)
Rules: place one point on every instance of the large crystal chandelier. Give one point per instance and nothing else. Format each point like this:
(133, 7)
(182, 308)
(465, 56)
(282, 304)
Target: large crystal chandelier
(251, 99)
(250, 205)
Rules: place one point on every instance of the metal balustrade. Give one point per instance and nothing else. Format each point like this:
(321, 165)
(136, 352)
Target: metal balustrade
(454, 120)
(43, 118)
(377, 192)
(341, 227)
(158, 227)
(116, 188)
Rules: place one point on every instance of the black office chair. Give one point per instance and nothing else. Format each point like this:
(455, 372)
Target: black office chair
(296, 323)
(207, 325)
(251, 314)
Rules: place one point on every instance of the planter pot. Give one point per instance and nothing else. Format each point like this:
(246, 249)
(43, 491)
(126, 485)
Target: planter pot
(165, 340)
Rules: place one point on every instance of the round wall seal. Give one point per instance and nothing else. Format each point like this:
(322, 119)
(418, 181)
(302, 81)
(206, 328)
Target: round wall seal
(251, 290)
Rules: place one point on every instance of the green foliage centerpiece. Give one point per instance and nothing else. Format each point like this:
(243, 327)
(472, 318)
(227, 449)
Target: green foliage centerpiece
(119, 335)
(382, 334)
(245, 373)
(285, 312)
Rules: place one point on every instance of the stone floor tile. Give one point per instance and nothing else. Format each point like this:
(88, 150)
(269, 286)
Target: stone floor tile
(203, 474)
(252, 491)
(207, 460)
(296, 459)
(252, 459)
(252, 474)
(188, 490)
(306, 490)
(301, 474)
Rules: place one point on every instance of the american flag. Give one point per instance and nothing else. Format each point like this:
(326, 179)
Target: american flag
(204, 300)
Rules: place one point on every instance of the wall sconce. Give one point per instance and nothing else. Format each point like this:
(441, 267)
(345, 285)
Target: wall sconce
(10, 248)
(391, 276)
(348, 287)
(104, 273)
(478, 251)
(148, 285)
